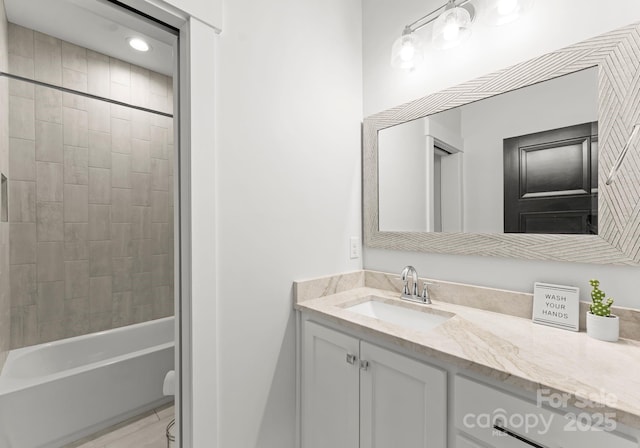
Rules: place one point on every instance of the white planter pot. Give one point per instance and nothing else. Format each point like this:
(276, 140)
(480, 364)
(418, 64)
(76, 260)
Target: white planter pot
(603, 328)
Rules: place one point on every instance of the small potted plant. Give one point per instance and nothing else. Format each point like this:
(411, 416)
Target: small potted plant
(601, 324)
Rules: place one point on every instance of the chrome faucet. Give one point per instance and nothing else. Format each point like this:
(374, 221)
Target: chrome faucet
(412, 294)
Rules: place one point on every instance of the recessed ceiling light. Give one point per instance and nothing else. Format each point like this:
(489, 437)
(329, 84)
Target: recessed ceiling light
(138, 44)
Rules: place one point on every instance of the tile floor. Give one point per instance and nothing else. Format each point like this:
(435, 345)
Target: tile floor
(144, 431)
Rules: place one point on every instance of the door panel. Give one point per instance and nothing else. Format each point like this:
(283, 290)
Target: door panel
(330, 388)
(403, 403)
(550, 181)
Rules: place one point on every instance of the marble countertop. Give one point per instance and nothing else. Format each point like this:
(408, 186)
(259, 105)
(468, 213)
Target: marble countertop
(510, 349)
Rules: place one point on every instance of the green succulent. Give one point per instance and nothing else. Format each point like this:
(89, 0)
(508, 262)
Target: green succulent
(598, 307)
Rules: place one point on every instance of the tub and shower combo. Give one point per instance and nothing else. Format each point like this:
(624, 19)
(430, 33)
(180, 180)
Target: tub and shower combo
(54, 393)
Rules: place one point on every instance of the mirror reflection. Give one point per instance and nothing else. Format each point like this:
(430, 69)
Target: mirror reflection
(521, 162)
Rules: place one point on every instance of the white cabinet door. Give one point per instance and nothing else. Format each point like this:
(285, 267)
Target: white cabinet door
(403, 403)
(330, 380)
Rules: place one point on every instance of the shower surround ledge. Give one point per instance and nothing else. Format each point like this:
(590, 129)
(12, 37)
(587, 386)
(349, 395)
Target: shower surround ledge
(491, 334)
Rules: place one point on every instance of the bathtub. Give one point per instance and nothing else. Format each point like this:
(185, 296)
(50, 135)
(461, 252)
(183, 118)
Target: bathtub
(52, 394)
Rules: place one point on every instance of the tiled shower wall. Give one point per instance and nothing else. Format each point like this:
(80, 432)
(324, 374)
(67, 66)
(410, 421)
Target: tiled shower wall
(5, 303)
(91, 206)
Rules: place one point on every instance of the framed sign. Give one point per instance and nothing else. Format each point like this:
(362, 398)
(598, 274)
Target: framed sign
(556, 305)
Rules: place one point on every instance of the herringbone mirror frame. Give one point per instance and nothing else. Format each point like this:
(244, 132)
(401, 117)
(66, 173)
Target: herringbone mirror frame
(617, 56)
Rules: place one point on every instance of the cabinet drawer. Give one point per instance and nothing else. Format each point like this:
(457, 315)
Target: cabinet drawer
(504, 421)
(463, 442)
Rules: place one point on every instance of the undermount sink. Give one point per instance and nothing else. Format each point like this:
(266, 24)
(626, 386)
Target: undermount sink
(398, 314)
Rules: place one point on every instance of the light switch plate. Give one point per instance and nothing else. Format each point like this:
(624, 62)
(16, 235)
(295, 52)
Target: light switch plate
(354, 247)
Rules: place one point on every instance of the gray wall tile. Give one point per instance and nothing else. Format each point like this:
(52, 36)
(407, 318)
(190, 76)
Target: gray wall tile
(22, 159)
(48, 104)
(76, 203)
(22, 67)
(99, 115)
(141, 185)
(141, 222)
(158, 142)
(76, 165)
(121, 170)
(99, 222)
(50, 301)
(22, 201)
(50, 331)
(121, 211)
(76, 127)
(122, 309)
(100, 321)
(122, 243)
(23, 247)
(49, 181)
(159, 174)
(49, 262)
(49, 222)
(142, 253)
(120, 71)
(99, 186)
(49, 142)
(142, 288)
(76, 279)
(76, 241)
(24, 284)
(122, 274)
(100, 258)
(76, 317)
(160, 238)
(48, 59)
(74, 57)
(75, 80)
(22, 118)
(160, 273)
(159, 206)
(90, 177)
(98, 74)
(121, 136)
(99, 149)
(100, 297)
(141, 156)
(20, 41)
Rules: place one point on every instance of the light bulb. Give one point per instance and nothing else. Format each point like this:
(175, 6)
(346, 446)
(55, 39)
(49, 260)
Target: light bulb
(138, 44)
(407, 52)
(451, 28)
(451, 31)
(507, 7)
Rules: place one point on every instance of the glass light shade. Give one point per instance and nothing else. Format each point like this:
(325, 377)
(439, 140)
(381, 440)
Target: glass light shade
(407, 52)
(502, 12)
(452, 28)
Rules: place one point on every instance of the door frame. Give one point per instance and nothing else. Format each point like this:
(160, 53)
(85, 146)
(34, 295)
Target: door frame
(192, 74)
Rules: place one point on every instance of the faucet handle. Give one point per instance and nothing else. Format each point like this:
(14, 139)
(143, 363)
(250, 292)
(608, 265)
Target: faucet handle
(405, 285)
(425, 292)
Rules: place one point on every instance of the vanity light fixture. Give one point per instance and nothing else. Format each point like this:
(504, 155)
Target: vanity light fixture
(451, 27)
(138, 44)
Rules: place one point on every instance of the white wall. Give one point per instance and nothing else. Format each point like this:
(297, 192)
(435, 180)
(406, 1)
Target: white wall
(549, 26)
(402, 161)
(289, 111)
(554, 104)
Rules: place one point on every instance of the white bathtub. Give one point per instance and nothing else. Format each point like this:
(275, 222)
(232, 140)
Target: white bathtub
(52, 394)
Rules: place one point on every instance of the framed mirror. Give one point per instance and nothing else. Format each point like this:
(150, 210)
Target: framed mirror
(515, 163)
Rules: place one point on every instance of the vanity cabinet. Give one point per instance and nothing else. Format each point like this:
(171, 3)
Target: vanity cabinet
(358, 395)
